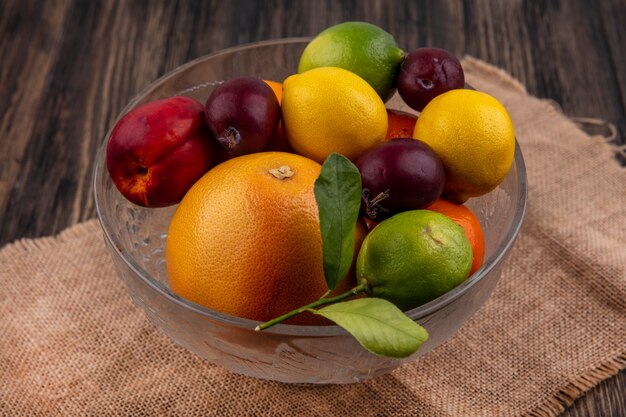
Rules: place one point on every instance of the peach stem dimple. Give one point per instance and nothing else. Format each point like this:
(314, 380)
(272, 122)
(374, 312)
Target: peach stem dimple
(142, 170)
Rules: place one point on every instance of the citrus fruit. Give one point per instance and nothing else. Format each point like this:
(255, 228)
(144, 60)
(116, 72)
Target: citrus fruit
(464, 217)
(279, 142)
(329, 110)
(245, 240)
(277, 88)
(360, 47)
(400, 124)
(414, 257)
(473, 135)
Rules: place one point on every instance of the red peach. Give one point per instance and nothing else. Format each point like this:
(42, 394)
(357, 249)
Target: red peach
(159, 150)
(400, 124)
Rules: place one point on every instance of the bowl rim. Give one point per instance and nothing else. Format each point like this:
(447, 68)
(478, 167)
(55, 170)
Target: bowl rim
(288, 329)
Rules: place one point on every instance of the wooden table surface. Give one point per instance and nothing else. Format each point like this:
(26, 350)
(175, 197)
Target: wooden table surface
(67, 68)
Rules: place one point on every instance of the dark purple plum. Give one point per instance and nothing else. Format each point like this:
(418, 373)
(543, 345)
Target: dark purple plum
(399, 175)
(243, 114)
(426, 73)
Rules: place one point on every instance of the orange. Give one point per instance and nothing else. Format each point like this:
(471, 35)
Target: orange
(280, 142)
(400, 124)
(277, 88)
(464, 217)
(246, 241)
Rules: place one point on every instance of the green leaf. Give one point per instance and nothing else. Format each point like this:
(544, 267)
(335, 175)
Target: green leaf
(378, 325)
(338, 195)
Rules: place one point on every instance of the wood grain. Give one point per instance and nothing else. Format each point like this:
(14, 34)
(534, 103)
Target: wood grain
(68, 68)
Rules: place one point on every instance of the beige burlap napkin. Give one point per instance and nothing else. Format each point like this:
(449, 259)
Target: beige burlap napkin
(73, 344)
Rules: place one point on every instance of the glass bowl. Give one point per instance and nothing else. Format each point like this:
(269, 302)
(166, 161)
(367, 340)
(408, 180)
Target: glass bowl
(135, 238)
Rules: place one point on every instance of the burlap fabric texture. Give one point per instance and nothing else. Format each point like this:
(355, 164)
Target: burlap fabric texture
(73, 343)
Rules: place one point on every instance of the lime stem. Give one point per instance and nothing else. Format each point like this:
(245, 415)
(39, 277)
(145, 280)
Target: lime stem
(322, 301)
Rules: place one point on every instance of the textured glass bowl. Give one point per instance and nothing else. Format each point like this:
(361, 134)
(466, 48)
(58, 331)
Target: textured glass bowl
(135, 237)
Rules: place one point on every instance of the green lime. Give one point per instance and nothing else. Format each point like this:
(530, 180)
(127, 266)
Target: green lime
(414, 257)
(361, 48)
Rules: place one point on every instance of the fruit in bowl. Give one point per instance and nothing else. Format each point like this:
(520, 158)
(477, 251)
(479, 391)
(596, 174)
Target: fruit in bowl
(246, 238)
(399, 175)
(242, 115)
(400, 124)
(292, 353)
(427, 73)
(158, 151)
(361, 48)
(330, 109)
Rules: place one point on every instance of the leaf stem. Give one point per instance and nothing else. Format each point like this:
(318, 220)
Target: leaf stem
(322, 301)
(326, 294)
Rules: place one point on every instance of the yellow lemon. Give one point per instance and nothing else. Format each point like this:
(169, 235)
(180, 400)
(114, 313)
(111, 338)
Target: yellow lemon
(329, 110)
(473, 135)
